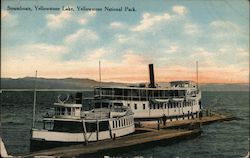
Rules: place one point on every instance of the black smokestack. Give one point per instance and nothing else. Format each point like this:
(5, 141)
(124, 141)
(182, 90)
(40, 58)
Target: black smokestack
(151, 75)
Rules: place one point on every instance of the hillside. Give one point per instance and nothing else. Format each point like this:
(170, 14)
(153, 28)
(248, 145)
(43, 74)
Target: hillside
(43, 83)
(76, 83)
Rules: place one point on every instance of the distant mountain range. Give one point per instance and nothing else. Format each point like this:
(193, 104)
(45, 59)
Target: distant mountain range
(45, 83)
(76, 83)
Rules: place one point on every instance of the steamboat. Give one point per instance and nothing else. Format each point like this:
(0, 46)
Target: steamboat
(69, 124)
(177, 100)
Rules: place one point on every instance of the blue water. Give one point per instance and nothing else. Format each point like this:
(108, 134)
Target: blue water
(222, 139)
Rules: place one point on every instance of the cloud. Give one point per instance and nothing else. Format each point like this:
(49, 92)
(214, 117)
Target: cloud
(25, 59)
(226, 30)
(132, 67)
(97, 54)
(192, 29)
(181, 10)
(82, 20)
(117, 25)
(219, 24)
(34, 51)
(57, 21)
(44, 48)
(5, 14)
(149, 20)
(242, 52)
(8, 20)
(121, 38)
(83, 35)
(172, 49)
(204, 56)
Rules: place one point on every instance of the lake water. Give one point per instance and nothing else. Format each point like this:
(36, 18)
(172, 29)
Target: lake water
(222, 139)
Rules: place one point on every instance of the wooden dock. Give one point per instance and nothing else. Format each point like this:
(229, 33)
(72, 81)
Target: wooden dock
(146, 136)
(210, 118)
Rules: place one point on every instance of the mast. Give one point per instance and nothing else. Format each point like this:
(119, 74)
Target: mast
(100, 82)
(197, 81)
(34, 102)
(100, 76)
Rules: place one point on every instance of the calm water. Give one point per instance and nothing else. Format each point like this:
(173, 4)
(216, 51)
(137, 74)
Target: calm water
(223, 139)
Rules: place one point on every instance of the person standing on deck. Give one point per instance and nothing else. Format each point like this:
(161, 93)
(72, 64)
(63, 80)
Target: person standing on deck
(164, 119)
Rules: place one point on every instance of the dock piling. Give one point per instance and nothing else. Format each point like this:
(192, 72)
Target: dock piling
(158, 125)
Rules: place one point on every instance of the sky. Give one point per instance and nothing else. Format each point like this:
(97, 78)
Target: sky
(171, 34)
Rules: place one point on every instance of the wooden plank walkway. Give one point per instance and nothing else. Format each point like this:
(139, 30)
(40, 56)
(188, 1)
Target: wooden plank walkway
(118, 143)
(215, 117)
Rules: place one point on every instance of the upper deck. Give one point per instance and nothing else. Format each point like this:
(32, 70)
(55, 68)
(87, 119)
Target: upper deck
(177, 89)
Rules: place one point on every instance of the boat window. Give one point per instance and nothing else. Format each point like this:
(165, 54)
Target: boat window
(135, 94)
(124, 124)
(48, 125)
(73, 111)
(118, 104)
(57, 110)
(118, 91)
(62, 111)
(161, 93)
(167, 93)
(68, 126)
(103, 126)
(144, 106)
(113, 124)
(135, 106)
(128, 105)
(69, 111)
(150, 94)
(119, 123)
(101, 105)
(181, 93)
(143, 95)
(106, 91)
(91, 126)
(126, 94)
(156, 93)
(116, 123)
